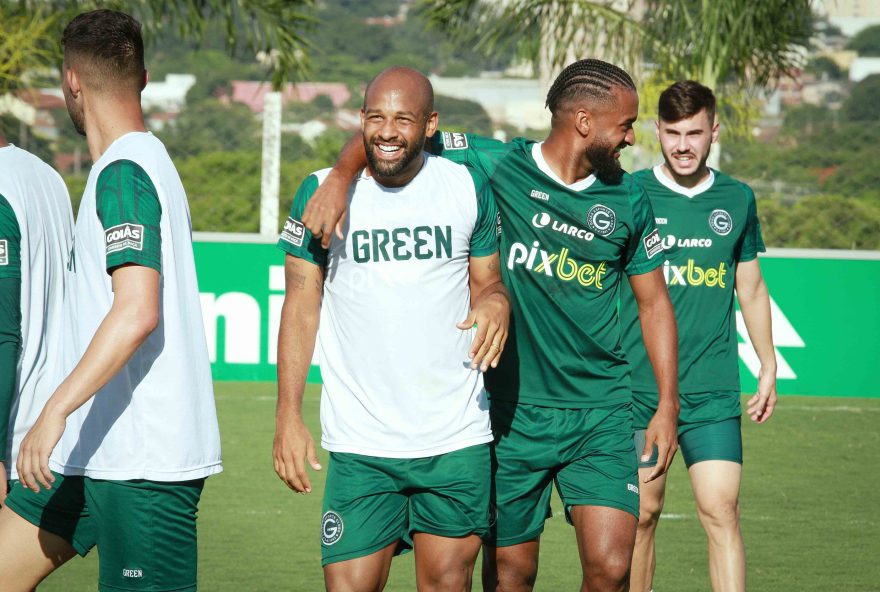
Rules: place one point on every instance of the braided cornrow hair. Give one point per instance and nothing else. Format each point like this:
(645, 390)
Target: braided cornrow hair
(587, 78)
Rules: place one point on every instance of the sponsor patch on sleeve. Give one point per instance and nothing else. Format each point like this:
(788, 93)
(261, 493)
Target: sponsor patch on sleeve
(293, 232)
(498, 224)
(4, 252)
(454, 141)
(653, 244)
(124, 236)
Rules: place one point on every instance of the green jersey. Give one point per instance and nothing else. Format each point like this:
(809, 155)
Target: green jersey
(706, 231)
(564, 251)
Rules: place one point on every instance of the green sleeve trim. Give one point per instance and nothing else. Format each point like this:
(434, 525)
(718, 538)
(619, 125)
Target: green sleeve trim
(752, 242)
(130, 212)
(295, 238)
(10, 242)
(487, 228)
(10, 347)
(477, 151)
(645, 249)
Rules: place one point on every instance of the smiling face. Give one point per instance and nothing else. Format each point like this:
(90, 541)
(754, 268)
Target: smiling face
(685, 145)
(612, 131)
(396, 118)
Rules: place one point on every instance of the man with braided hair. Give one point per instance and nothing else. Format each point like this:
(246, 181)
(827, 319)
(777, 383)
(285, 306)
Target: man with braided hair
(573, 225)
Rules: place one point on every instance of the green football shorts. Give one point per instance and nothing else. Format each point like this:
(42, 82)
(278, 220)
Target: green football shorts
(708, 426)
(588, 452)
(145, 531)
(371, 502)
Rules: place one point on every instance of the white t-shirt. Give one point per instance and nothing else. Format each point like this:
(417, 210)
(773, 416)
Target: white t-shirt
(156, 418)
(397, 378)
(41, 204)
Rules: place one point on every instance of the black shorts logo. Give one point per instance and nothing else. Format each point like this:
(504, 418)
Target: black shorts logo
(331, 528)
(4, 252)
(124, 236)
(294, 231)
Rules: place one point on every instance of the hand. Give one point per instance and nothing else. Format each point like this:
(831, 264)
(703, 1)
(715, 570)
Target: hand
(327, 208)
(492, 318)
(760, 407)
(294, 444)
(4, 478)
(33, 455)
(662, 433)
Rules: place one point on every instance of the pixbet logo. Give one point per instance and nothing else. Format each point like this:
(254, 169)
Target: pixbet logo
(693, 275)
(558, 265)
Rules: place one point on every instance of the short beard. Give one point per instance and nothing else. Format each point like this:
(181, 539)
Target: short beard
(77, 117)
(381, 168)
(606, 168)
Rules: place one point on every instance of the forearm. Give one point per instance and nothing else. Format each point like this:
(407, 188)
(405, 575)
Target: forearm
(660, 336)
(754, 304)
(495, 289)
(352, 158)
(296, 345)
(10, 346)
(120, 334)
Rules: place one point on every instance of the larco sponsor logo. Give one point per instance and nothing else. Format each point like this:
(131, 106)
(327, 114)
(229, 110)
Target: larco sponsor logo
(558, 265)
(670, 241)
(124, 236)
(601, 220)
(544, 219)
(331, 528)
(720, 222)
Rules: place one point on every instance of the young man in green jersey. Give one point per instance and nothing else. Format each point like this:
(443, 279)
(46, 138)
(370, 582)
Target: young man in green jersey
(574, 226)
(711, 239)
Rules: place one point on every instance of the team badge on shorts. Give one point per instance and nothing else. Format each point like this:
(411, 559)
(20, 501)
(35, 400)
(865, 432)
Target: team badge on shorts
(720, 222)
(331, 528)
(601, 220)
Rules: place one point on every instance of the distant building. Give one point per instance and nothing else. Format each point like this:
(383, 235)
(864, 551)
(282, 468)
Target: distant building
(861, 68)
(851, 16)
(514, 101)
(167, 95)
(252, 93)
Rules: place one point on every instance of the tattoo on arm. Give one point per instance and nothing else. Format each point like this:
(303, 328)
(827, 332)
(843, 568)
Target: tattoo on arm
(297, 281)
(493, 265)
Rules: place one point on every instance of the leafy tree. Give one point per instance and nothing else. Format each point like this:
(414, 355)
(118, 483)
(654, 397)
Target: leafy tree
(462, 114)
(30, 30)
(824, 66)
(863, 103)
(866, 42)
(735, 47)
(210, 126)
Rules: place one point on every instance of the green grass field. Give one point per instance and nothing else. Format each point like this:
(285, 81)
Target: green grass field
(807, 514)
